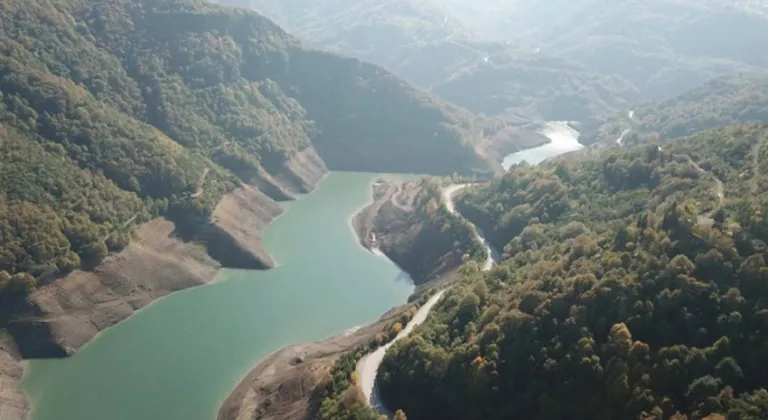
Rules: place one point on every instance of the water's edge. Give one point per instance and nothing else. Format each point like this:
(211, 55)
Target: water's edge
(121, 339)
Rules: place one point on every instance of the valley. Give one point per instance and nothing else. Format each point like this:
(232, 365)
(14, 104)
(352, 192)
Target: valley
(411, 208)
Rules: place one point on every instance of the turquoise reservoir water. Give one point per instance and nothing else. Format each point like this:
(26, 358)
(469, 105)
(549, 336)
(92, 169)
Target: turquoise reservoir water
(180, 357)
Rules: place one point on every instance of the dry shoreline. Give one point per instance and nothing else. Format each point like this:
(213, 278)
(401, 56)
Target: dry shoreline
(62, 317)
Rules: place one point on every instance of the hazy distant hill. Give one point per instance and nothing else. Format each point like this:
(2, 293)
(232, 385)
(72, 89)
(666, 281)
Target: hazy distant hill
(429, 47)
(719, 102)
(662, 46)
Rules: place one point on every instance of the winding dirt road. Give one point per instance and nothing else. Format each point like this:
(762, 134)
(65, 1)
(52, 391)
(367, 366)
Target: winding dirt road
(719, 188)
(200, 183)
(493, 254)
(368, 366)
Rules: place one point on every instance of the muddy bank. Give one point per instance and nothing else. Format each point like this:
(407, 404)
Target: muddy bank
(302, 172)
(298, 175)
(65, 315)
(280, 386)
(401, 224)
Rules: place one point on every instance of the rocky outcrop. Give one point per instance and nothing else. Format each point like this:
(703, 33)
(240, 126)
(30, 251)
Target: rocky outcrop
(267, 184)
(280, 386)
(302, 171)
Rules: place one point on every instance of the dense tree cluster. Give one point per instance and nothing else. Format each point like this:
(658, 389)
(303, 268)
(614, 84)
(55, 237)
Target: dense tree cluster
(54, 215)
(116, 111)
(630, 289)
(719, 102)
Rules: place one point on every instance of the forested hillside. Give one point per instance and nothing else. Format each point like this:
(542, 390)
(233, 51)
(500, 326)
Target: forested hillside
(372, 30)
(514, 80)
(633, 286)
(428, 46)
(404, 36)
(719, 102)
(116, 111)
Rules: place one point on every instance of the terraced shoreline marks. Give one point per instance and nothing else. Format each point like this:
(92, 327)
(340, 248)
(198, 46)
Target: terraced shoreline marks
(385, 192)
(394, 226)
(13, 403)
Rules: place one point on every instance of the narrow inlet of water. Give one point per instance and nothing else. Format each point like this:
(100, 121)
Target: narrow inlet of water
(562, 138)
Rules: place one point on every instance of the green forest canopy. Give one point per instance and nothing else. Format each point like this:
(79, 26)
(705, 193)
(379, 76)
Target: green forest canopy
(111, 111)
(629, 290)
